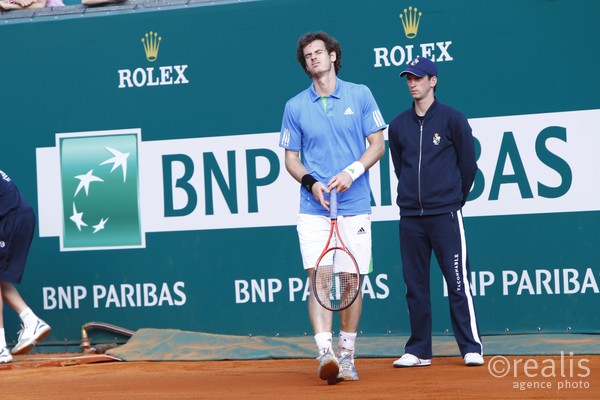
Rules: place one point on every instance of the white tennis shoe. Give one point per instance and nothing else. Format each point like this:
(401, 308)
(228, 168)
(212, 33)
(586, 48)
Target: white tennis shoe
(409, 360)
(5, 356)
(30, 336)
(329, 366)
(347, 368)
(473, 359)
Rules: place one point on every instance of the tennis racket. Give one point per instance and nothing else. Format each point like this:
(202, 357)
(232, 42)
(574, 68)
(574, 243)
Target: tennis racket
(336, 279)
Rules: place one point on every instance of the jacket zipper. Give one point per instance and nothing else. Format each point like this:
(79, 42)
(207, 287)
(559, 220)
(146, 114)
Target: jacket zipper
(419, 170)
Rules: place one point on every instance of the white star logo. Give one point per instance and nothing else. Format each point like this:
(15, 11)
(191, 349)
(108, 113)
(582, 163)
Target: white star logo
(85, 181)
(77, 217)
(100, 225)
(119, 160)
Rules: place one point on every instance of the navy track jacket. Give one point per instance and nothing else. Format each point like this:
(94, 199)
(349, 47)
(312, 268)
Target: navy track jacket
(434, 160)
(10, 198)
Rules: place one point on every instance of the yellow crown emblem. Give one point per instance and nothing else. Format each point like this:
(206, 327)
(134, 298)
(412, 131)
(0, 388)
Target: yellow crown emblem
(151, 43)
(410, 21)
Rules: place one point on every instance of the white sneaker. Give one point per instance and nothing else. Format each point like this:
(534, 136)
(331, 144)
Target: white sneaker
(347, 368)
(5, 356)
(329, 367)
(473, 359)
(30, 336)
(409, 360)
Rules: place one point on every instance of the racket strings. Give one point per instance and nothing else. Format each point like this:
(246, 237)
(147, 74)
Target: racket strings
(337, 280)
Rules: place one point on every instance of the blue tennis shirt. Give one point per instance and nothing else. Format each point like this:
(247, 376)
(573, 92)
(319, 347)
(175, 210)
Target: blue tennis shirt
(330, 140)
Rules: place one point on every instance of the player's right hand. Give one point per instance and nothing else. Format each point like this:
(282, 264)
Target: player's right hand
(319, 190)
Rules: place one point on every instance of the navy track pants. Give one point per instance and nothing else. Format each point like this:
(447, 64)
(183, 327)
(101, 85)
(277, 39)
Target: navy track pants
(445, 235)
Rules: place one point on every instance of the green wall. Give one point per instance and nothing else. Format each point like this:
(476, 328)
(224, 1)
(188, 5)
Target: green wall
(216, 207)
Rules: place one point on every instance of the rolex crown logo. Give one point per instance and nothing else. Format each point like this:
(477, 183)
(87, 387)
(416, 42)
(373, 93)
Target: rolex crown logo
(410, 21)
(151, 43)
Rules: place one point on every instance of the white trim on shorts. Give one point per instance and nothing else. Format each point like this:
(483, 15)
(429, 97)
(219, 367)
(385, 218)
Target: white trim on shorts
(313, 231)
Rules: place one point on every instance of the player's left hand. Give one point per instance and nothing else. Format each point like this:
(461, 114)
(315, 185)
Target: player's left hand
(341, 182)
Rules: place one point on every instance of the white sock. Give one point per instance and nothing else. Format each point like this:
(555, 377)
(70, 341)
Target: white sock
(323, 340)
(347, 341)
(2, 339)
(28, 317)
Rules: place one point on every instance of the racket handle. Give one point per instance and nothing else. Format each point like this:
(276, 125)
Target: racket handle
(333, 204)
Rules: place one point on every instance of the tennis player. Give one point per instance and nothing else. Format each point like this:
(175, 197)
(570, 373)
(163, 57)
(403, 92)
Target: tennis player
(17, 224)
(325, 131)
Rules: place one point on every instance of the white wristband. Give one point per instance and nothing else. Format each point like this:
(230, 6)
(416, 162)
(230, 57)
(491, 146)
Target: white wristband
(355, 170)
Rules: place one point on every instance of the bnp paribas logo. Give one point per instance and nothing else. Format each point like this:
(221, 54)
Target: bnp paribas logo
(100, 191)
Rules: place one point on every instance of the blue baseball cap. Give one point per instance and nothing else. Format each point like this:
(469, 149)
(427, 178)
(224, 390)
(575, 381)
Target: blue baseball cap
(420, 67)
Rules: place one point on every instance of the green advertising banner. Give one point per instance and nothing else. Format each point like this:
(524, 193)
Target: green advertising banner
(147, 142)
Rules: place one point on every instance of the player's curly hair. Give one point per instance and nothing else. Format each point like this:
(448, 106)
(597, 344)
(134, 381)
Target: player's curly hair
(331, 45)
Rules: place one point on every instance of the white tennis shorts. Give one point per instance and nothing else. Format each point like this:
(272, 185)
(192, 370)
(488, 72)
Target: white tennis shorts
(313, 231)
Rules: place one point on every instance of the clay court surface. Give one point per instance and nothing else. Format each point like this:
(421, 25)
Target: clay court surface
(63, 377)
